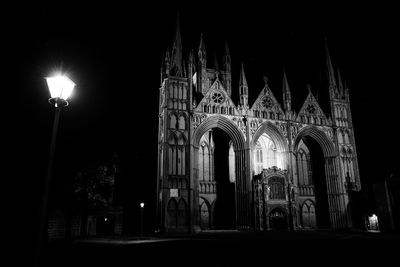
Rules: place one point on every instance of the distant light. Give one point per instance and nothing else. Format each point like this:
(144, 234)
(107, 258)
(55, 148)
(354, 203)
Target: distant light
(60, 86)
(142, 204)
(373, 223)
(105, 219)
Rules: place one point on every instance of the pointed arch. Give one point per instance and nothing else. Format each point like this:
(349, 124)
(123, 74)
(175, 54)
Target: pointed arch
(172, 153)
(223, 123)
(319, 136)
(182, 121)
(181, 155)
(172, 213)
(172, 120)
(182, 213)
(274, 145)
(242, 195)
(308, 217)
(272, 131)
(205, 213)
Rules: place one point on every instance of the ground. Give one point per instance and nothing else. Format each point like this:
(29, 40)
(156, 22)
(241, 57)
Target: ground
(229, 248)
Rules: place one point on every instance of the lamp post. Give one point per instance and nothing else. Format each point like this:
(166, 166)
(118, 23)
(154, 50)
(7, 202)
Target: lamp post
(60, 88)
(141, 219)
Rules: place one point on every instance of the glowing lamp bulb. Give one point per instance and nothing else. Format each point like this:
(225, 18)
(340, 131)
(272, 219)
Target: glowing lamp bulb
(60, 86)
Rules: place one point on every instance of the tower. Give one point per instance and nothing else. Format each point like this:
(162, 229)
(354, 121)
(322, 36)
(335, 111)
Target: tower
(227, 165)
(173, 139)
(343, 130)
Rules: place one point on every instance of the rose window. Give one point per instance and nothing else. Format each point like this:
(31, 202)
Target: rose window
(267, 102)
(311, 109)
(217, 98)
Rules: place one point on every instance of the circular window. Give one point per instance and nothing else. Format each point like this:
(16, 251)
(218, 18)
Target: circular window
(267, 102)
(218, 98)
(311, 109)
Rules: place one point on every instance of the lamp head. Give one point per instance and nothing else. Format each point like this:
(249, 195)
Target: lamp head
(60, 88)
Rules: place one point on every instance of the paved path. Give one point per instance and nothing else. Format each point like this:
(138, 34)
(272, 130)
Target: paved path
(302, 248)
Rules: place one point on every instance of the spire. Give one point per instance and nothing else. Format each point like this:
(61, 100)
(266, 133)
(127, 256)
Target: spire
(331, 74)
(340, 83)
(227, 57)
(243, 88)
(287, 96)
(202, 51)
(167, 62)
(216, 66)
(309, 88)
(191, 57)
(177, 50)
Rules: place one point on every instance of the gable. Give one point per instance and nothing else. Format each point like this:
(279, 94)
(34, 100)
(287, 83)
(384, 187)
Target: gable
(216, 100)
(266, 101)
(311, 111)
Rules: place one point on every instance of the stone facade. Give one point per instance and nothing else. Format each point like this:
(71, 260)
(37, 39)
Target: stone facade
(263, 166)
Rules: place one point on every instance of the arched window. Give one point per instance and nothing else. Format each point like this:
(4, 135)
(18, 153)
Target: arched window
(259, 158)
(308, 217)
(201, 162)
(205, 221)
(172, 154)
(303, 165)
(172, 213)
(181, 152)
(176, 90)
(180, 88)
(206, 161)
(171, 91)
(271, 154)
(232, 176)
(182, 122)
(181, 214)
(172, 121)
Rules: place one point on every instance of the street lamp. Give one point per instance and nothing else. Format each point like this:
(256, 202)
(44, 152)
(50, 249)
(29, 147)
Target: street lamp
(60, 88)
(141, 218)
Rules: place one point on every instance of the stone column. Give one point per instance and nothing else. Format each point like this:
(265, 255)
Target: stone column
(337, 196)
(243, 204)
(194, 190)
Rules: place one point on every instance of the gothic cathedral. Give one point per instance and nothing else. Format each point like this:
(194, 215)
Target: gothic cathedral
(263, 166)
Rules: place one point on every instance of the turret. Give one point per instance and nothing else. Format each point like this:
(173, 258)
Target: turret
(227, 68)
(333, 90)
(287, 96)
(202, 71)
(176, 62)
(243, 88)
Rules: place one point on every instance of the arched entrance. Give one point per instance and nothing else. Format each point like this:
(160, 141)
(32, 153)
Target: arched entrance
(219, 172)
(269, 155)
(205, 218)
(278, 219)
(312, 148)
(273, 147)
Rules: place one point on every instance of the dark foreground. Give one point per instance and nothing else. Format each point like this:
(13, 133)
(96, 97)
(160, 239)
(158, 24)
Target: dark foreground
(230, 249)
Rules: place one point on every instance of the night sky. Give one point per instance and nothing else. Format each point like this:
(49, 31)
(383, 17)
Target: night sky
(113, 53)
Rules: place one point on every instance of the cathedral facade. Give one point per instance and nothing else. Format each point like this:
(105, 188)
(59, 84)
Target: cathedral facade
(261, 165)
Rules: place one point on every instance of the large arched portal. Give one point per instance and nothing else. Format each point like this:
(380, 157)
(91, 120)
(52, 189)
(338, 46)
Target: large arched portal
(311, 181)
(215, 179)
(220, 174)
(318, 180)
(269, 157)
(268, 148)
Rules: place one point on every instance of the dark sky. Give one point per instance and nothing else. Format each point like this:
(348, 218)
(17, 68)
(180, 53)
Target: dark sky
(113, 53)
